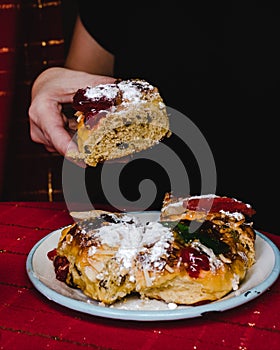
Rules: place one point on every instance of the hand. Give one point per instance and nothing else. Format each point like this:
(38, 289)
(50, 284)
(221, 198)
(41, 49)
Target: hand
(53, 88)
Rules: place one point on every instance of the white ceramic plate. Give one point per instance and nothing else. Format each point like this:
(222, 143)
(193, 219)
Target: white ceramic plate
(41, 273)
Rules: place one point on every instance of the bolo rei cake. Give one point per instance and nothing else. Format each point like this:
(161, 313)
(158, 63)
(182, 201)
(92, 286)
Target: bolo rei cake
(119, 119)
(199, 250)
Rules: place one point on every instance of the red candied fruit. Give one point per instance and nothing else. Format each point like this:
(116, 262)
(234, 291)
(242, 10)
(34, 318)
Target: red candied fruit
(91, 107)
(61, 267)
(60, 263)
(195, 261)
(52, 254)
(216, 204)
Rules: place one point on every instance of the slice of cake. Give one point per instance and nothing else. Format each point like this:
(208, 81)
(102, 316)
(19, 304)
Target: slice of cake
(119, 119)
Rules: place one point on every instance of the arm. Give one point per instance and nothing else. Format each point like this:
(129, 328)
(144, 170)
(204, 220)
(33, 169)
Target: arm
(90, 65)
(85, 54)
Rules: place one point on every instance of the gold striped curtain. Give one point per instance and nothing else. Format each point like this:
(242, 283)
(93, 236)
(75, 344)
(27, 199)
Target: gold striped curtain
(32, 39)
(8, 34)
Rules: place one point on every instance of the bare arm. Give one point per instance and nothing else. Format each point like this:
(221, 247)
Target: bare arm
(87, 64)
(87, 55)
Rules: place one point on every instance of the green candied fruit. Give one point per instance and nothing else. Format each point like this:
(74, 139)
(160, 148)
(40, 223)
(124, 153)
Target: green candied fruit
(207, 234)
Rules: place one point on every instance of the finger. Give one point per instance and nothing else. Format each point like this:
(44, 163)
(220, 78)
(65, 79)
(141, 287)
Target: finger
(50, 149)
(49, 128)
(37, 135)
(60, 139)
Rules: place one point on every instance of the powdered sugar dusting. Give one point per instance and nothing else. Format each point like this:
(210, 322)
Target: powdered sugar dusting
(154, 245)
(130, 240)
(202, 196)
(131, 91)
(236, 215)
(100, 91)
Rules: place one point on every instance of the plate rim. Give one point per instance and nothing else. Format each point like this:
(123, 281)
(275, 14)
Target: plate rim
(152, 315)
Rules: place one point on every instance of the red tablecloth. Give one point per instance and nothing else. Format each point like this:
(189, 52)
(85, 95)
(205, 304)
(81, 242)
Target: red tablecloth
(28, 320)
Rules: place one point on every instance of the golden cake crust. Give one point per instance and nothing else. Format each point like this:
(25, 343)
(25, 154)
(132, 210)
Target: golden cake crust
(112, 255)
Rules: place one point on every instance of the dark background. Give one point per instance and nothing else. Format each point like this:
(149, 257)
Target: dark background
(247, 100)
